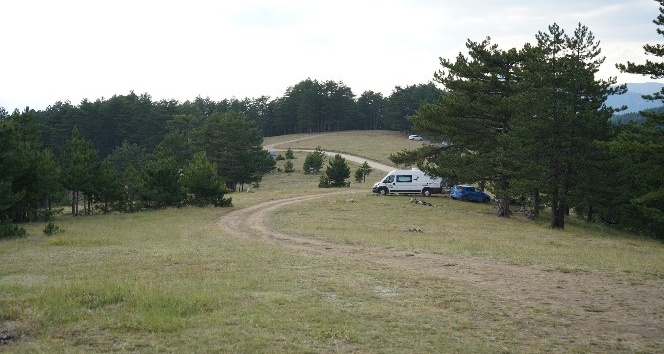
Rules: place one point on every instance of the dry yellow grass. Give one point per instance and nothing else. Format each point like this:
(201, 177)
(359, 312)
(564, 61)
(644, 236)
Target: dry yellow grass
(373, 145)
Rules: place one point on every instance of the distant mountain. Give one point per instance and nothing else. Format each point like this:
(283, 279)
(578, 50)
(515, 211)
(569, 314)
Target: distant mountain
(632, 98)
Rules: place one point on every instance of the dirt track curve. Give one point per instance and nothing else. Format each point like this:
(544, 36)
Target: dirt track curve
(591, 303)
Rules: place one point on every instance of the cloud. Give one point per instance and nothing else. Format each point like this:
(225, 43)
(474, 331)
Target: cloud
(73, 49)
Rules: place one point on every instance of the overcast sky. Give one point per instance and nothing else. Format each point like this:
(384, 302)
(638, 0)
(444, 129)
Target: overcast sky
(70, 50)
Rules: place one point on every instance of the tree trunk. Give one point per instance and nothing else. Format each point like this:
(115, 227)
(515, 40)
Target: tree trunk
(504, 208)
(558, 211)
(590, 214)
(504, 204)
(536, 203)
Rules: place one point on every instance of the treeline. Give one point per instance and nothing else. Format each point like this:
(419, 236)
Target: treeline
(634, 118)
(196, 163)
(307, 107)
(129, 152)
(531, 124)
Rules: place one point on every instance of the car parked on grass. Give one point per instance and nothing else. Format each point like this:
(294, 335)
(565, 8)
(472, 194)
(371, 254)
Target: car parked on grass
(414, 137)
(469, 193)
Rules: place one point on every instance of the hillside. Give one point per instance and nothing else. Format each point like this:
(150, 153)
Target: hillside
(632, 98)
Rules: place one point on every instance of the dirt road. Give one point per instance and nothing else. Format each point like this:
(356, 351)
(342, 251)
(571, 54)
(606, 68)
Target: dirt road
(375, 165)
(583, 305)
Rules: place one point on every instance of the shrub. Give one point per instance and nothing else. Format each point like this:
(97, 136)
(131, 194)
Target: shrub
(314, 162)
(362, 172)
(337, 171)
(288, 167)
(289, 154)
(9, 230)
(52, 229)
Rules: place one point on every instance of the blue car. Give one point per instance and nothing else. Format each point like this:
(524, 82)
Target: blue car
(468, 193)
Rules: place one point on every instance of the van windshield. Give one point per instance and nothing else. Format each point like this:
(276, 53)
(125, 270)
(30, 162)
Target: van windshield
(389, 179)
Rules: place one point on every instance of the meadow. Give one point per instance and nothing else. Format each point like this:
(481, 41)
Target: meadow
(298, 269)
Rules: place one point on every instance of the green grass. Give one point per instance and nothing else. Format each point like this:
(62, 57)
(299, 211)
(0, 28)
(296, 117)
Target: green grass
(172, 281)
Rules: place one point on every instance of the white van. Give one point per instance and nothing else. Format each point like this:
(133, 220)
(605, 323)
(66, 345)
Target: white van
(409, 182)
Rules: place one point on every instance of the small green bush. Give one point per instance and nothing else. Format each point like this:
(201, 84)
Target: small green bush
(289, 154)
(9, 230)
(288, 167)
(52, 229)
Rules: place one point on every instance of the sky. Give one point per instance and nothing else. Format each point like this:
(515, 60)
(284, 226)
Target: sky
(70, 50)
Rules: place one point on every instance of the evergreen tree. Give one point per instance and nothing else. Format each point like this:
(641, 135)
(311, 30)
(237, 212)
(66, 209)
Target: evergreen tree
(288, 167)
(235, 145)
(79, 162)
(180, 137)
(475, 116)
(404, 102)
(12, 165)
(202, 182)
(126, 155)
(562, 114)
(336, 173)
(644, 144)
(134, 190)
(106, 186)
(162, 181)
(362, 172)
(313, 163)
(289, 154)
(371, 110)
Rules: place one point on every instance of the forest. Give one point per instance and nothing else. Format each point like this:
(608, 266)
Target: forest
(130, 153)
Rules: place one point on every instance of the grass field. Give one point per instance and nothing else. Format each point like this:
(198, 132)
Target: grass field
(372, 145)
(339, 273)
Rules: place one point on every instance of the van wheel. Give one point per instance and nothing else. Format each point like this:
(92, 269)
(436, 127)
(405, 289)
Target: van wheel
(383, 191)
(426, 192)
(465, 198)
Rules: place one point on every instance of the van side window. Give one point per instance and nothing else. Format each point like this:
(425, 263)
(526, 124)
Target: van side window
(389, 179)
(404, 178)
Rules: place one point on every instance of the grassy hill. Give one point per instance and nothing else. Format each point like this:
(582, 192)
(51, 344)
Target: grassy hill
(308, 270)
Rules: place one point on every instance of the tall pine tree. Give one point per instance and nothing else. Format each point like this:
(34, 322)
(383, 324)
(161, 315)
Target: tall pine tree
(561, 114)
(644, 144)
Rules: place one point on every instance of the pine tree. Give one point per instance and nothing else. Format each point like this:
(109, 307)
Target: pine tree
(313, 163)
(644, 144)
(289, 154)
(474, 116)
(202, 182)
(288, 167)
(336, 172)
(561, 114)
(79, 162)
(362, 172)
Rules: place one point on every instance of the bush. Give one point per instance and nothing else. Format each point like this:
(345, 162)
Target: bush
(9, 230)
(324, 182)
(52, 229)
(202, 182)
(336, 173)
(314, 162)
(279, 158)
(289, 154)
(362, 172)
(288, 167)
